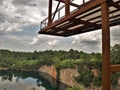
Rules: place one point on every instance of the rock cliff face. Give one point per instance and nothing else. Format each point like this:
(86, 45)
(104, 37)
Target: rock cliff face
(65, 76)
(51, 70)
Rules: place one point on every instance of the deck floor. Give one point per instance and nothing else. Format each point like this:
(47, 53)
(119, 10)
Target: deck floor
(84, 19)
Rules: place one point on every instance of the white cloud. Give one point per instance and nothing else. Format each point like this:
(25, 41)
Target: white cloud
(87, 38)
(53, 42)
(34, 41)
(45, 39)
(10, 27)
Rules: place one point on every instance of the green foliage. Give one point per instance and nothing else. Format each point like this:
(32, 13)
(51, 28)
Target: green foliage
(114, 78)
(76, 88)
(85, 77)
(26, 60)
(65, 64)
(97, 81)
(85, 67)
(115, 54)
(25, 64)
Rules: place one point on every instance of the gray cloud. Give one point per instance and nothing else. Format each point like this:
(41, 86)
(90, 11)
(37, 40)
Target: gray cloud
(21, 2)
(115, 31)
(115, 35)
(2, 17)
(1, 1)
(16, 14)
(19, 24)
(88, 42)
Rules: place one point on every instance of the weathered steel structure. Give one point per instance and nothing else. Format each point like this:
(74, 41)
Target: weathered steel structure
(87, 16)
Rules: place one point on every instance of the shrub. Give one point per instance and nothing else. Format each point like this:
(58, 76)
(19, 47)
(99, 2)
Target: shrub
(76, 88)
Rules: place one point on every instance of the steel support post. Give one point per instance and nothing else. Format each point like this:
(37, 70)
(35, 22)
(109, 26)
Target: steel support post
(50, 12)
(105, 46)
(67, 7)
(83, 1)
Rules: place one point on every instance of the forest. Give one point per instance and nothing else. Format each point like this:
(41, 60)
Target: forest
(85, 62)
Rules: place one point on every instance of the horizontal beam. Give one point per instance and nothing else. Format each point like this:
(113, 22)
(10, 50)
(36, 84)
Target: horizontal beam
(116, 5)
(72, 4)
(115, 68)
(86, 8)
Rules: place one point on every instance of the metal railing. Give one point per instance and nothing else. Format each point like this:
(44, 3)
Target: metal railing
(60, 13)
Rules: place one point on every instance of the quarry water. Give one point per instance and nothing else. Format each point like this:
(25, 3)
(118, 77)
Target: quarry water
(23, 80)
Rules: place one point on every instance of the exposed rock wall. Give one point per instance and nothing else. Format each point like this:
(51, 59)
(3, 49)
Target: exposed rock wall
(49, 73)
(51, 70)
(66, 76)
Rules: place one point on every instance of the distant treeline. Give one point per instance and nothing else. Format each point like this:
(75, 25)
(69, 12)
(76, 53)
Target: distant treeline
(11, 59)
(85, 62)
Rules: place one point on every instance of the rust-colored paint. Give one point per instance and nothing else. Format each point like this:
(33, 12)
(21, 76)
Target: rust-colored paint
(115, 68)
(67, 7)
(51, 29)
(105, 47)
(50, 12)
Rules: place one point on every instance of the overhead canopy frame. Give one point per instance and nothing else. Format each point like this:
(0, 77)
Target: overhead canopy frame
(85, 18)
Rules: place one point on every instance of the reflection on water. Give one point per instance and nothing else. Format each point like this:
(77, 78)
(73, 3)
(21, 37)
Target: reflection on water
(23, 80)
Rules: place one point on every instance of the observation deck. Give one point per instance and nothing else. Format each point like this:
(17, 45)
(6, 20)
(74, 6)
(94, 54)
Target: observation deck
(71, 18)
(88, 16)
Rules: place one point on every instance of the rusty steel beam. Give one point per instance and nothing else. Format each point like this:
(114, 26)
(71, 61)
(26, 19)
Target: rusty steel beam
(90, 13)
(88, 25)
(50, 12)
(83, 29)
(75, 22)
(105, 47)
(115, 4)
(100, 16)
(72, 4)
(67, 7)
(115, 68)
(86, 8)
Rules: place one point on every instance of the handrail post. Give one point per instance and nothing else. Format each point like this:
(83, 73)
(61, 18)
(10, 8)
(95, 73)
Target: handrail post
(83, 1)
(50, 12)
(67, 7)
(105, 47)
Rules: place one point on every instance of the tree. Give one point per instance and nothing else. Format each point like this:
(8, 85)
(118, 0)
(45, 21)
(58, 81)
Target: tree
(115, 54)
(85, 77)
(73, 54)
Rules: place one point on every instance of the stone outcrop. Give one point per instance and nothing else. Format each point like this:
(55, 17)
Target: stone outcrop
(66, 76)
(51, 70)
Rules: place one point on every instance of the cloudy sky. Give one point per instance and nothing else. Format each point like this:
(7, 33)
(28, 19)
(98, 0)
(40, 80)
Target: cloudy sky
(19, 26)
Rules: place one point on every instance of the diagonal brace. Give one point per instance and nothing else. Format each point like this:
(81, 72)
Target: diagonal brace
(72, 4)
